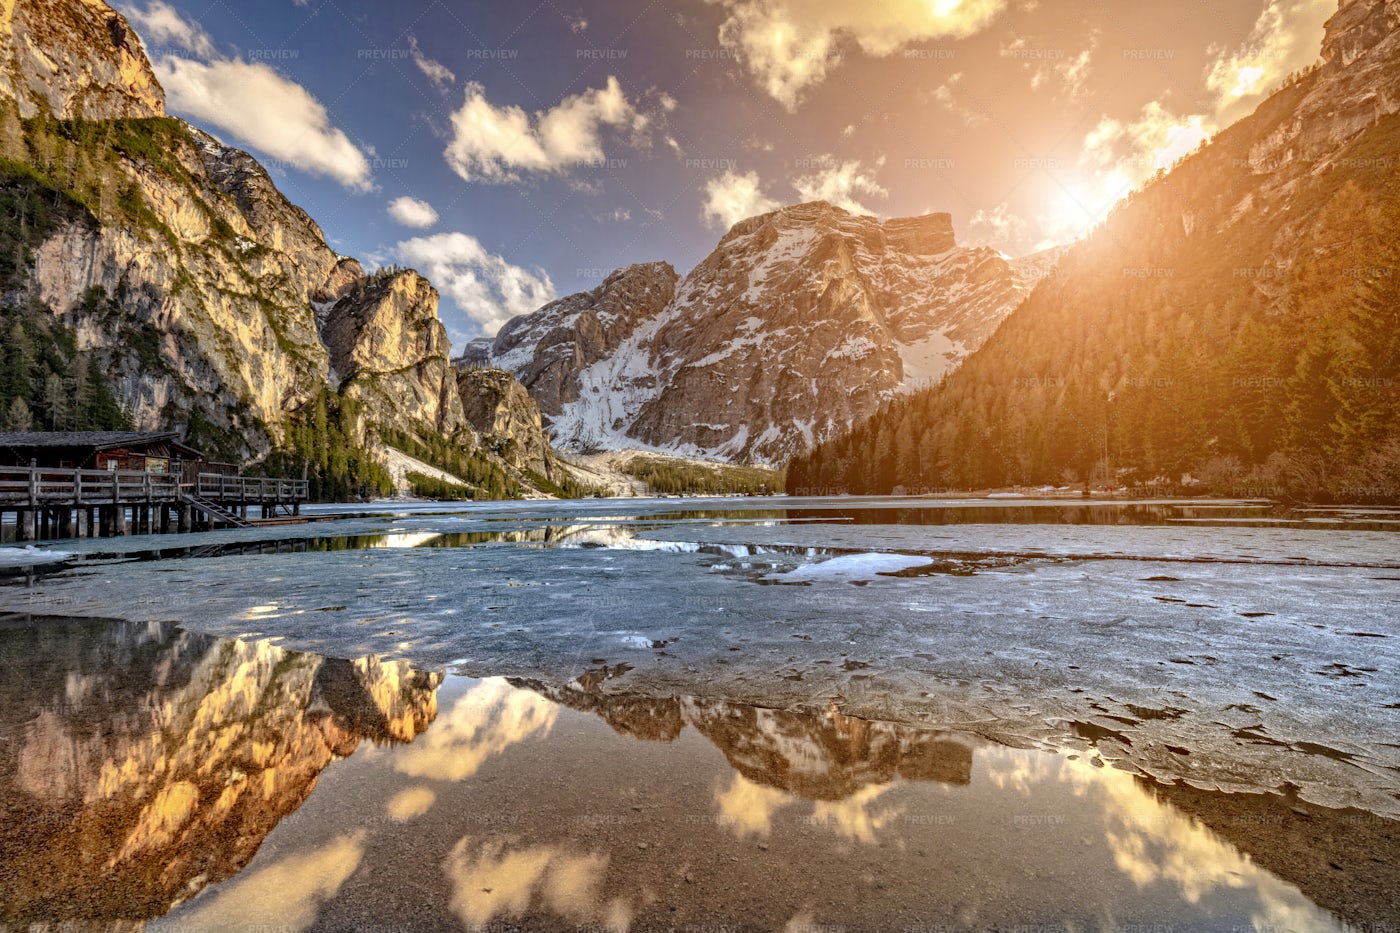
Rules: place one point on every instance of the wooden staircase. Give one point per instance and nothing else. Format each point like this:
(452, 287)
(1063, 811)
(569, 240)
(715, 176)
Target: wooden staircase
(214, 513)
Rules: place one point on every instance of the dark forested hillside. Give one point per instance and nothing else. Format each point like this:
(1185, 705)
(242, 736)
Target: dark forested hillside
(1231, 323)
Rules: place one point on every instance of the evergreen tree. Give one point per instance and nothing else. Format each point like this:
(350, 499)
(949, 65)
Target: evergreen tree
(17, 417)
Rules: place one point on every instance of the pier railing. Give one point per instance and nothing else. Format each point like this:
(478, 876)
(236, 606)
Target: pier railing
(27, 486)
(251, 488)
(31, 487)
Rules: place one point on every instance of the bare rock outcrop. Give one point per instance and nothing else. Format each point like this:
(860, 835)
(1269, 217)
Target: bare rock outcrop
(392, 353)
(549, 349)
(75, 59)
(209, 296)
(505, 418)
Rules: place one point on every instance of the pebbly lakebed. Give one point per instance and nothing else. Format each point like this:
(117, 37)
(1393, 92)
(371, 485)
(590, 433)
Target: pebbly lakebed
(722, 714)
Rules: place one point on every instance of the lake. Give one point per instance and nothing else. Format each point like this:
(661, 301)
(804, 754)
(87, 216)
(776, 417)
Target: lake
(876, 714)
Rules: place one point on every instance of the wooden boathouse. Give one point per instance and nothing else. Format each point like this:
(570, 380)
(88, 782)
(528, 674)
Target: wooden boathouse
(108, 483)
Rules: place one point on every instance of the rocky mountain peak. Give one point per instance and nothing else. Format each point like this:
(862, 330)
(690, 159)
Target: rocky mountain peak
(75, 59)
(801, 321)
(549, 348)
(505, 417)
(928, 235)
(1358, 85)
(1357, 27)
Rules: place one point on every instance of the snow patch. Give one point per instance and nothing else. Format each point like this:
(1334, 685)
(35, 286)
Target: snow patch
(850, 567)
(927, 361)
(31, 556)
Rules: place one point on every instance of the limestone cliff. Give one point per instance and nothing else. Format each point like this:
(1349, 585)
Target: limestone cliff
(550, 349)
(506, 418)
(76, 60)
(390, 352)
(212, 300)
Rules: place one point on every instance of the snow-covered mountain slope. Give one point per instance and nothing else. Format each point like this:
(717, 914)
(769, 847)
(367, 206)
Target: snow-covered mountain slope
(801, 322)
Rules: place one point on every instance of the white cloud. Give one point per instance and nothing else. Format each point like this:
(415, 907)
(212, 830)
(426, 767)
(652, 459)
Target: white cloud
(498, 144)
(249, 100)
(266, 111)
(997, 227)
(486, 287)
(790, 45)
(732, 197)
(1285, 38)
(412, 212)
(1047, 65)
(945, 95)
(436, 72)
(1155, 140)
(842, 183)
(160, 25)
(1118, 155)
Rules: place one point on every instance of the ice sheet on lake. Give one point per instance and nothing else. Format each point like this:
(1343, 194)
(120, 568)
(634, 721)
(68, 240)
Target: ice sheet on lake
(1377, 549)
(1278, 667)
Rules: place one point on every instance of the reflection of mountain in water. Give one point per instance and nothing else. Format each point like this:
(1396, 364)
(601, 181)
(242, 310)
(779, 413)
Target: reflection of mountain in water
(827, 757)
(140, 764)
(144, 763)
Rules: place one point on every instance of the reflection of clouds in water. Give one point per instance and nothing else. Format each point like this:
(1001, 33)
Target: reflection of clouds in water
(286, 895)
(747, 808)
(853, 817)
(487, 720)
(489, 880)
(1154, 843)
(1021, 771)
(406, 804)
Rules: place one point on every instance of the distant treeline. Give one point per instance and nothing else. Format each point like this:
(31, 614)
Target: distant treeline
(486, 479)
(672, 477)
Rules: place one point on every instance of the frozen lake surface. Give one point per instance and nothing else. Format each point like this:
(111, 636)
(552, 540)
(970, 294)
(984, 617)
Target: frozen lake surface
(1221, 672)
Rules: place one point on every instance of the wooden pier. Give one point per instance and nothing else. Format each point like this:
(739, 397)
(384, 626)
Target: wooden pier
(59, 503)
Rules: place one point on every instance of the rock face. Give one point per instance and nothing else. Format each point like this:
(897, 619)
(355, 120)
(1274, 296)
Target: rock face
(550, 349)
(1356, 86)
(199, 284)
(505, 418)
(801, 322)
(75, 59)
(391, 353)
(204, 297)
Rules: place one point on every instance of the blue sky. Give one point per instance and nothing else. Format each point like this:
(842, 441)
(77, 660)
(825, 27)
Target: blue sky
(517, 152)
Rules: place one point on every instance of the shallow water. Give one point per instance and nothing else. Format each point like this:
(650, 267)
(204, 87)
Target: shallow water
(714, 715)
(155, 774)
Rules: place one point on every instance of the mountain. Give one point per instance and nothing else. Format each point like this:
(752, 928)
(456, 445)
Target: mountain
(176, 260)
(152, 277)
(801, 322)
(1236, 322)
